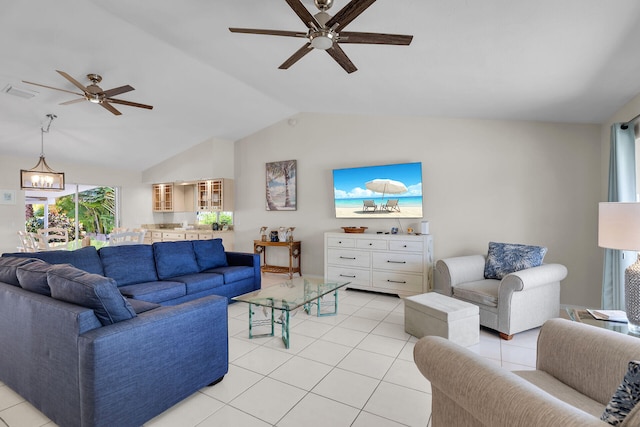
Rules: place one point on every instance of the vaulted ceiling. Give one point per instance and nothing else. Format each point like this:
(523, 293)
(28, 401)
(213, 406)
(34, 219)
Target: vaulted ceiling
(543, 60)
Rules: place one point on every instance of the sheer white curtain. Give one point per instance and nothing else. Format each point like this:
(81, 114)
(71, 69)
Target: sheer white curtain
(622, 188)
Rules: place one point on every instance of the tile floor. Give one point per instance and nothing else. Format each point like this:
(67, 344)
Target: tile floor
(353, 369)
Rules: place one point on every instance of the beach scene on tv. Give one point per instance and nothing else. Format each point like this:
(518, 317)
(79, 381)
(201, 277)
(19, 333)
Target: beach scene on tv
(386, 191)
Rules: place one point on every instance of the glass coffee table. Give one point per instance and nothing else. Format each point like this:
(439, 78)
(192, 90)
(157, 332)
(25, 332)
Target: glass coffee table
(287, 297)
(580, 314)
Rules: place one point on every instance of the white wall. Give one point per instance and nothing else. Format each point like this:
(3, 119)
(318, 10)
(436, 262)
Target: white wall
(136, 197)
(519, 182)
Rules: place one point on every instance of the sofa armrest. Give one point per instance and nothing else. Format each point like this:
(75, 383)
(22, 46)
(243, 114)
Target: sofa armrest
(243, 258)
(468, 387)
(453, 271)
(589, 359)
(171, 350)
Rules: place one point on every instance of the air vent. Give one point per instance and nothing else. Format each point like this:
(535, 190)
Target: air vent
(22, 93)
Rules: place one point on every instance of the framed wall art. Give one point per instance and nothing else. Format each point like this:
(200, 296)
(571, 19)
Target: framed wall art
(7, 197)
(281, 183)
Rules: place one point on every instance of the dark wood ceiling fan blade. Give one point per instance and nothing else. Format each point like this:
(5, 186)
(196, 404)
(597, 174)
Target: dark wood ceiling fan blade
(268, 32)
(72, 80)
(303, 13)
(117, 91)
(111, 108)
(341, 58)
(54, 88)
(348, 13)
(129, 103)
(374, 38)
(73, 101)
(296, 56)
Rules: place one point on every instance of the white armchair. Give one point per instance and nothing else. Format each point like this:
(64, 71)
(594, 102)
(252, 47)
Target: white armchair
(520, 301)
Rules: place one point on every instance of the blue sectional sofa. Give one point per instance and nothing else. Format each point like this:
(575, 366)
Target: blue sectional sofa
(114, 337)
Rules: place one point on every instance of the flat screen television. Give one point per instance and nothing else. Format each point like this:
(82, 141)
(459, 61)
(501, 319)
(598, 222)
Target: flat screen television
(385, 191)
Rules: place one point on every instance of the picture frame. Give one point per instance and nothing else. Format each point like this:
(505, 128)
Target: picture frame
(7, 197)
(281, 185)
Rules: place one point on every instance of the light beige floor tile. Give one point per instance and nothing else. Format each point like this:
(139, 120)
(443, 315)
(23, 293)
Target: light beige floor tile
(239, 347)
(371, 313)
(268, 400)
(366, 363)
(262, 360)
(395, 317)
(347, 387)
(8, 398)
(382, 345)
(297, 343)
(360, 324)
(401, 404)
(366, 419)
(236, 382)
(407, 351)
(392, 330)
(383, 302)
(191, 411)
(519, 355)
(229, 416)
(311, 329)
(318, 411)
(406, 374)
(344, 336)
(301, 372)
(23, 415)
(325, 352)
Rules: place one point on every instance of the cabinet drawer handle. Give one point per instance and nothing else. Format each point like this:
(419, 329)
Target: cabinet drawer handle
(346, 275)
(397, 281)
(396, 262)
(370, 244)
(347, 257)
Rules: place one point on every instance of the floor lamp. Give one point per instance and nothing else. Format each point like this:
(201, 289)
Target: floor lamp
(619, 228)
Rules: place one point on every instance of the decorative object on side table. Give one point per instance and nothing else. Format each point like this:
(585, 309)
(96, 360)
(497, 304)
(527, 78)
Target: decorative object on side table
(263, 234)
(354, 229)
(619, 228)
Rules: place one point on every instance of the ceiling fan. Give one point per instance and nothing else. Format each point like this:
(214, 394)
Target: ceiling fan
(93, 93)
(325, 31)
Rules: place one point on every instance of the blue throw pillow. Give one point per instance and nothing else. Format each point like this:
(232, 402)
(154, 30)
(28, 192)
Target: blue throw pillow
(129, 264)
(9, 267)
(505, 258)
(175, 259)
(93, 291)
(33, 277)
(626, 396)
(210, 254)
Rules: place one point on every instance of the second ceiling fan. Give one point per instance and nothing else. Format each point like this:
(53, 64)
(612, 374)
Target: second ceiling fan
(94, 93)
(325, 32)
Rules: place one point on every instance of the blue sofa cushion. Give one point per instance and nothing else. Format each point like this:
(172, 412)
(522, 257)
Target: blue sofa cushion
(93, 291)
(626, 396)
(174, 259)
(140, 306)
(155, 291)
(33, 277)
(200, 282)
(86, 259)
(209, 254)
(129, 264)
(233, 273)
(9, 267)
(505, 258)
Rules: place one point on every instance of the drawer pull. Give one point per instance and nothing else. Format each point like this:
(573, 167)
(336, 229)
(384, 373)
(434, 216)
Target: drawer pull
(346, 275)
(396, 262)
(347, 257)
(397, 281)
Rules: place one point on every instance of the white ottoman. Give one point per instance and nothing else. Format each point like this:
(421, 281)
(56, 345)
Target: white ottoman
(436, 314)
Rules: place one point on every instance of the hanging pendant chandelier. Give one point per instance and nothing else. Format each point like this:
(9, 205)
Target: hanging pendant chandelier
(41, 176)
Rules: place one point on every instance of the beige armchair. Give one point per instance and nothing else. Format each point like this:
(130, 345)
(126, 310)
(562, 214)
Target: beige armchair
(579, 367)
(520, 301)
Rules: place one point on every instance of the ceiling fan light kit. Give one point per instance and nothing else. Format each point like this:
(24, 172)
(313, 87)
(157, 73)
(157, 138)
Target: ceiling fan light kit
(325, 32)
(41, 176)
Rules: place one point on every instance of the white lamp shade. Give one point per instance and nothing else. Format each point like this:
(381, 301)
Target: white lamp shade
(619, 226)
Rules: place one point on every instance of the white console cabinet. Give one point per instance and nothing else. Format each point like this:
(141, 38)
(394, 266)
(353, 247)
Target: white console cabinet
(399, 264)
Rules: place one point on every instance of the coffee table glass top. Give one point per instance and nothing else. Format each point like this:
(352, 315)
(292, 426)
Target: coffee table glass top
(580, 314)
(291, 294)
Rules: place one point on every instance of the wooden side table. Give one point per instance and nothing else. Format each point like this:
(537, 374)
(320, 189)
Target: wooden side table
(260, 247)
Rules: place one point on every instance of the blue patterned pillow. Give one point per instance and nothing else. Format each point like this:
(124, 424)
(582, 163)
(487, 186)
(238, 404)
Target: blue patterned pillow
(505, 258)
(626, 396)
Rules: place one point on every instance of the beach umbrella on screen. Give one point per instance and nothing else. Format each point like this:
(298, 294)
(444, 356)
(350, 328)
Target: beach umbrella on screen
(386, 186)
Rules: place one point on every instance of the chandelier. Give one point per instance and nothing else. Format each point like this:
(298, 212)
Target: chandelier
(41, 176)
